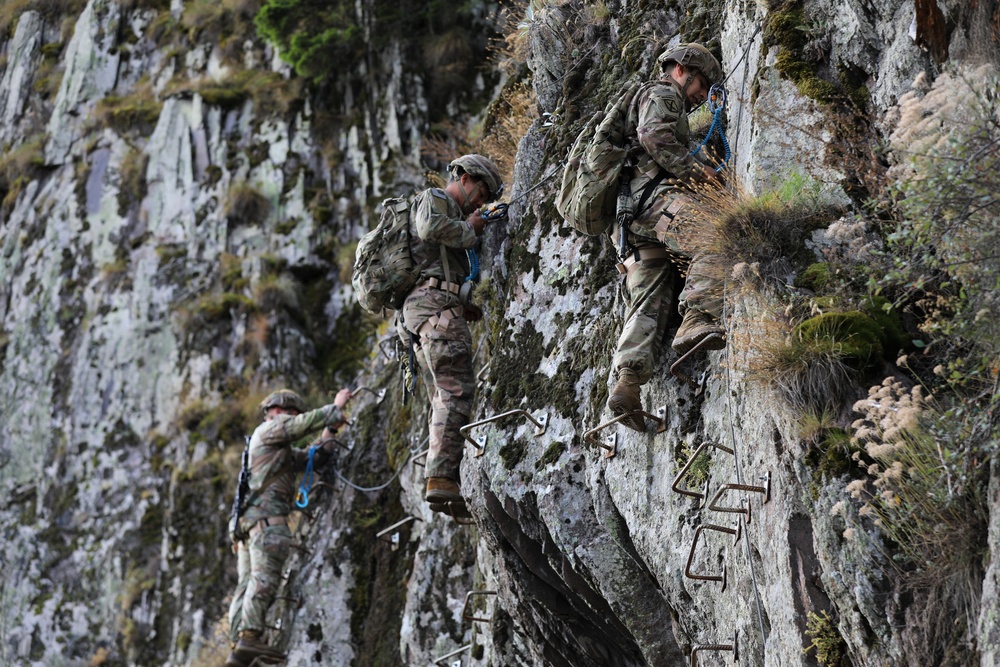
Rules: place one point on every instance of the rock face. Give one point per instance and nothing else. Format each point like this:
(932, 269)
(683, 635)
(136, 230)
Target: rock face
(175, 248)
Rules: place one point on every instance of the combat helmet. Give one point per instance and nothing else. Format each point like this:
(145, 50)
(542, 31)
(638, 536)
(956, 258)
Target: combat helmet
(483, 168)
(283, 398)
(696, 56)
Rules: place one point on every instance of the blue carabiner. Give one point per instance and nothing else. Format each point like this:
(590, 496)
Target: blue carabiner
(302, 497)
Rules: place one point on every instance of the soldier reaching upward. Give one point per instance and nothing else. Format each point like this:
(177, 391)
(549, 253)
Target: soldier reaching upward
(447, 224)
(261, 537)
(663, 172)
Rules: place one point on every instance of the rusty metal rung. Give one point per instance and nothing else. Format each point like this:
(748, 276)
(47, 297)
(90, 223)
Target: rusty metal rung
(394, 538)
(466, 614)
(611, 447)
(461, 521)
(694, 545)
(379, 395)
(420, 455)
(391, 338)
(440, 661)
(541, 422)
(766, 490)
(734, 647)
(687, 467)
(481, 376)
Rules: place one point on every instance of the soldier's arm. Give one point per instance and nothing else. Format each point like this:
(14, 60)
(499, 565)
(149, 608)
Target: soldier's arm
(660, 108)
(289, 429)
(434, 223)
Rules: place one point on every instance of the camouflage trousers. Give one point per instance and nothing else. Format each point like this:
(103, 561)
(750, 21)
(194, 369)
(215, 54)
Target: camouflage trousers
(260, 560)
(445, 358)
(649, 298)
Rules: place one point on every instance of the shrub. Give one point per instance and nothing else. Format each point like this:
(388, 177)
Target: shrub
(316, 38)
(246, 205)
(134, 113)
(760, 237)
(132, 184)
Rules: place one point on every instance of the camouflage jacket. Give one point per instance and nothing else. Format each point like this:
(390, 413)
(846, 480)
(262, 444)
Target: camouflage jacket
(660, 120)
(436, 222)
(274, 462)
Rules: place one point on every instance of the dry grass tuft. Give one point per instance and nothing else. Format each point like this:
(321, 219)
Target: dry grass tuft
(757, 237)
(246, 205)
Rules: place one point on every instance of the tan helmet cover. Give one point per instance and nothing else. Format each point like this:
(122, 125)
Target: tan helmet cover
(482, 168)
(696, 56)
(283, 398)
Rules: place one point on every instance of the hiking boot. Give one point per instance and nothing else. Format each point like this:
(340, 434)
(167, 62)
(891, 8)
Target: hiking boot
(251, 647)
(625, 398)
(442, 490)
(695, 328)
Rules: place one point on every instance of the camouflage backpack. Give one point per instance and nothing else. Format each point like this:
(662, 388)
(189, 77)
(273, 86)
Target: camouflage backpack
(589, 188)
(384, 271)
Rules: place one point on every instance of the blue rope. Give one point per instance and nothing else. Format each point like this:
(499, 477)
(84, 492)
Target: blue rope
(473, 265)
(302, 497)
(716, 104)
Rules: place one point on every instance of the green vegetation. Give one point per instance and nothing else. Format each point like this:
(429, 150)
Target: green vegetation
(246, 205)
(132, 185)
(18, 167)
(831, 649)
(136, 113)
(316, 38)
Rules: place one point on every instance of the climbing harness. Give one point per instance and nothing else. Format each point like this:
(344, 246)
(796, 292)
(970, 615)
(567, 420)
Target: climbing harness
(716, 105)
(302, 497)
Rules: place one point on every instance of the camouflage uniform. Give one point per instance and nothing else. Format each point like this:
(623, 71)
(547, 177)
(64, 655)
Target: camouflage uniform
(660, 120)
(273, 467)
(440, 236)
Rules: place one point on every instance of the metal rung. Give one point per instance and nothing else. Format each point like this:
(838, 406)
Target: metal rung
(734, 647)
(611, 447)
(766, 490)
(481, 376)
(420, 455)
(460, 651)
(694, 545)
(687, 466)
(466, 614)
(381, 346)
(379, 395)
(541, 421)
(461, 521)
(394, 538)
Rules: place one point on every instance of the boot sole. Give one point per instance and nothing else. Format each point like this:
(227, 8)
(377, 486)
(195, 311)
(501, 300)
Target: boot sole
(713, 340)
(439, 497)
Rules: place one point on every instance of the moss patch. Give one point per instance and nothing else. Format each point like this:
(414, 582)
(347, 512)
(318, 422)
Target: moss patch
(853, 336)
(512, 452)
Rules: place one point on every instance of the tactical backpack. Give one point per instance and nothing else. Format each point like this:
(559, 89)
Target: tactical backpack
(384, 271)
(589, 188)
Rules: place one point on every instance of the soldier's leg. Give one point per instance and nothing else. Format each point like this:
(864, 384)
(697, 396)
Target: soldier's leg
(268, 550)
(448, 356)
(701, 303)
(650, 292)
(236, 606)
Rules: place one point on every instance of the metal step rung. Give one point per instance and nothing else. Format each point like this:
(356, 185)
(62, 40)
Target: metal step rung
(766, 490)
(611, 447)
(468, 615)
(379, 395)
(734, 647)
(420, 455)
(394, 537)
(440, 661)
(540, 421)
(687, 466)
(737, 532)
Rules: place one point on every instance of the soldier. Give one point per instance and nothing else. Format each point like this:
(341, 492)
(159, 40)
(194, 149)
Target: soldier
(447, 224)
(664, 169)
(262, 537)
